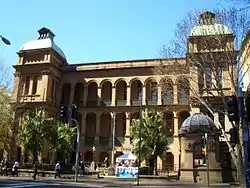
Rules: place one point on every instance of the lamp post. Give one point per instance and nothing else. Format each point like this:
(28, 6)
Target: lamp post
(139, 131)
(93, 153)
(5, 40)
(77, 148)
(113, 139)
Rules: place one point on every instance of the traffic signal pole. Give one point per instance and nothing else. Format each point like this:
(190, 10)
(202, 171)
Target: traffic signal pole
(207, 161)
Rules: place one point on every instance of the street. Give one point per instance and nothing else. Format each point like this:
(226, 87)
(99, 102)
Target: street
(23, 183)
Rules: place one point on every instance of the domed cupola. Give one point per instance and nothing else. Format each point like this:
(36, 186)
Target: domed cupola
(208, 26)
(45, 41)
(197, 123)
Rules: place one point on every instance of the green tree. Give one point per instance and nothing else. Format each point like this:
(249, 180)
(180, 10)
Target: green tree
(61, 138)
(35, 131)
(6, 116)
(153, 136)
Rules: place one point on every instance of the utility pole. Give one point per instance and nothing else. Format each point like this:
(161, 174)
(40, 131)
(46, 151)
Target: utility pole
(207, 150)
(72, 118)
(113, 139)
(139, 131)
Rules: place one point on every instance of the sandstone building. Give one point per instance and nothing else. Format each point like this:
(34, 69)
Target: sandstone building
(44, 78)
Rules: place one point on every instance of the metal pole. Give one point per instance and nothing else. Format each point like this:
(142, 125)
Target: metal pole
(207, 149)
(113, 139)
(139, 157)
(77, 149)
(244, 135)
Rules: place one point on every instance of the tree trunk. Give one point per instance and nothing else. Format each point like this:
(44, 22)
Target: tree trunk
(155, 165)
(240, 166)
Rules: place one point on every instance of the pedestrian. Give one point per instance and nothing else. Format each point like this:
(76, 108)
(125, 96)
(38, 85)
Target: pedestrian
(82, 167)
(35, 171)
(6, 166)
(57, 169)
(15, 169)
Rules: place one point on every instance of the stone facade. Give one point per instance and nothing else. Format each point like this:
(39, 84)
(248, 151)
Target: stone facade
(43, 78)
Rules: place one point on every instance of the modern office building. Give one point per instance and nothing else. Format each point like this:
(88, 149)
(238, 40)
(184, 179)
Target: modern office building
(43, 77)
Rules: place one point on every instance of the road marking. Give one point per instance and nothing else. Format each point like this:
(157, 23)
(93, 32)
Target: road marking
(23, 185)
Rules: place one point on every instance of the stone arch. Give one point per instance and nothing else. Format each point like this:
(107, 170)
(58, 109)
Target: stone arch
(150, 79)
(135, 79)
(78, 94)
(183, 90)
(167, 90)
(92, 97)
(120, 80)
(91, 81)
(121, 92)
(136, 91)
(121, 124)
(90, 131)
(151, 85)
(66, 90)
(169, 122)
(104, 81)
(106, 92)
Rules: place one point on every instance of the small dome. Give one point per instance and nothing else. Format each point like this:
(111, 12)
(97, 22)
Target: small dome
(214, 29)
(44, 41)
(197, 123)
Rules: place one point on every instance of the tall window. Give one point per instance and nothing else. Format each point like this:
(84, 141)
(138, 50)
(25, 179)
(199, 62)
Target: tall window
(27, 86)
(208, 77)
(154, 96)
(219, 76)
(34, 86)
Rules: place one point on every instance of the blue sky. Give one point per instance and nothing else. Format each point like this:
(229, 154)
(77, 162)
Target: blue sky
(96, 30)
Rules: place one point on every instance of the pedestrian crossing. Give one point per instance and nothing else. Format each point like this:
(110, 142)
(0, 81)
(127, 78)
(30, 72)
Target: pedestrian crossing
(25, 184)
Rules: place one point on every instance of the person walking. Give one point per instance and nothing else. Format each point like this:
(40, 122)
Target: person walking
(35, 171)
(57, 169)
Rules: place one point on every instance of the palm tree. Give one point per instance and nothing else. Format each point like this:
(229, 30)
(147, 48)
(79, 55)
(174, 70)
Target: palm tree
(61, 138)
(153, 136)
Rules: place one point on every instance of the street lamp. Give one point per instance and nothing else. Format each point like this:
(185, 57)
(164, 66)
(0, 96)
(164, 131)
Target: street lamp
(113, 139)
(139, 130)
(5, 40)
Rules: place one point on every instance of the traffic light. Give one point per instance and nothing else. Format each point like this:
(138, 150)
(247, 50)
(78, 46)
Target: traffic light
(247, 104)
(204, 151)
(232, 109)
(233, 136)
(63, 112)
(74, 111)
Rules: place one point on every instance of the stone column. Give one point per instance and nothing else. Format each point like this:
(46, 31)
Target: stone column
(159, 100)
(175, 93)
(99, 95)
(144, 95)
(44, 85)
(31, 85)
(72, 94)
(85, 96)
(176, 124)
(113, 100)
(127, 134)
(128, 96)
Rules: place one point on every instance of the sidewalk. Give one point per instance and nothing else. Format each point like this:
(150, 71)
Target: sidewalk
(91, 182)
